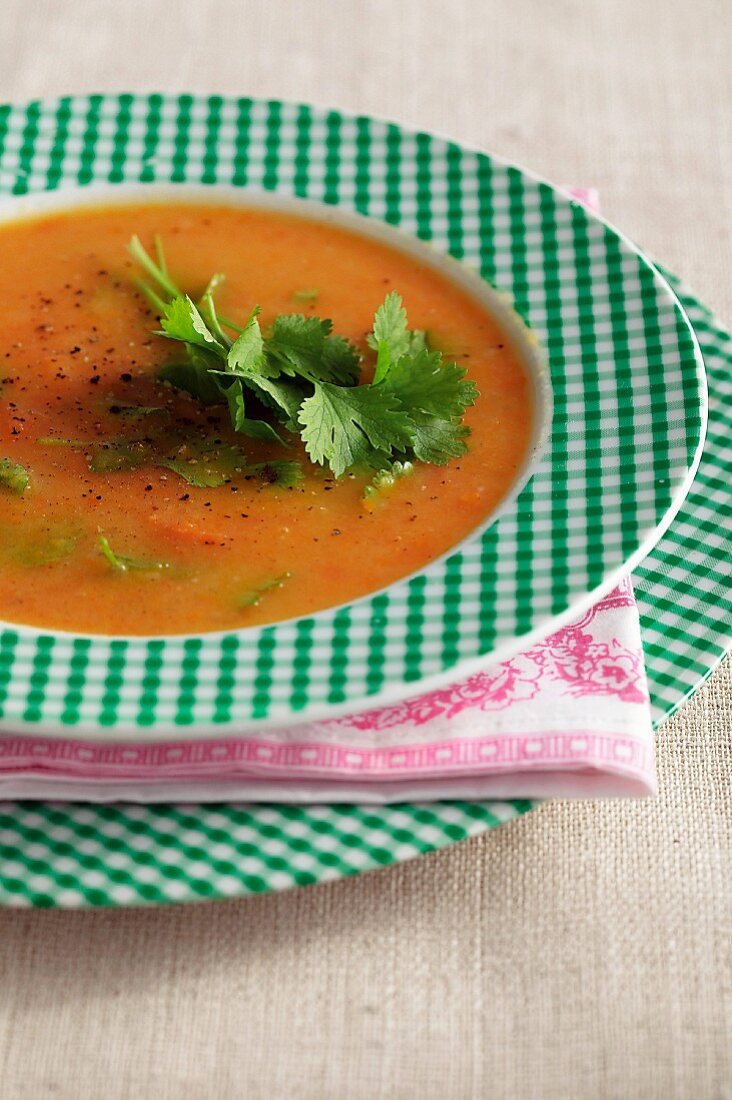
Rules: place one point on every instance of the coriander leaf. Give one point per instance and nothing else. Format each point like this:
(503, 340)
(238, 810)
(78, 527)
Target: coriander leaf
(180, 320)
(308, 378)
(211, 469)
(205, 468)
(133, 412)
(424, 383)
(246, 355)
(296, 343)
(198, 474)
(194, 376)
(233, 393)
(341, 361)
(254, 596)
(390, 337)
(302, 346)
(52, 550)
(418, 341)
(390, 325)
(117, 457)
(281, 472)
(309, 295)
(13, 477)
(434, 394)
(40, 543)
(283, 395)
(111, 456)
(55, 441)
(437, 441)
(352, 426)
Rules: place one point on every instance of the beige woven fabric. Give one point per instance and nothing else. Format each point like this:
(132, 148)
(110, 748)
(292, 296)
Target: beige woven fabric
(583, 951)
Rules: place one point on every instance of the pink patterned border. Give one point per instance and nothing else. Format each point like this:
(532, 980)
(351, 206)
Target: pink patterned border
(569, 662)
(582, 748)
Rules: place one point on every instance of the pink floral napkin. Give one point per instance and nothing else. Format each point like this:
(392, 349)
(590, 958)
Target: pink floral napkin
(568, 717)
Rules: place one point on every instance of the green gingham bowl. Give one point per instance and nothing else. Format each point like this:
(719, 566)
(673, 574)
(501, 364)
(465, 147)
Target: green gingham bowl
(629, 415)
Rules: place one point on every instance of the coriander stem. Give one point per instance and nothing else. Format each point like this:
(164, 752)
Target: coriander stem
(159, 254)
(230, 324)
(139, 254)
(209, 308)
(110, 555)
(155, 301)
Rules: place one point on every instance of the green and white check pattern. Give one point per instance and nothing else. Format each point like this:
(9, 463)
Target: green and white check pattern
(684, 587)
(75, 855)
(629, 410)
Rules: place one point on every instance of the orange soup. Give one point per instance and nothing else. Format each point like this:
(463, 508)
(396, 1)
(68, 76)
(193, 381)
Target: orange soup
(93, 543)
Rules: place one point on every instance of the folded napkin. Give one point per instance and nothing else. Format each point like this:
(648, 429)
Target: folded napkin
(568, 717)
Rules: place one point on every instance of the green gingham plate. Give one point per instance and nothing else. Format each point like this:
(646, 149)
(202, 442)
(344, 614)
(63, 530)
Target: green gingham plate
(684, 586)
(629, 416)
(90, 855)
(72, 855)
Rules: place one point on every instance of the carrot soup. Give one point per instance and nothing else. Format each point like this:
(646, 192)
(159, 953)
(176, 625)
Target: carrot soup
(182, 452)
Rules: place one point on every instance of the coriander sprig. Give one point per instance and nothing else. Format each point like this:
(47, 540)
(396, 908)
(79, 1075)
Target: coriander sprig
(122, 564)
(13, 477)
(302, 376)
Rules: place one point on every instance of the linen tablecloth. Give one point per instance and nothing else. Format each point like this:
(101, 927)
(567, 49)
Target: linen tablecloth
(582, 951)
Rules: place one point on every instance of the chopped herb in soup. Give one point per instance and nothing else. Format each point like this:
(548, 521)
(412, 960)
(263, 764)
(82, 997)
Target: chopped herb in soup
(216, 417)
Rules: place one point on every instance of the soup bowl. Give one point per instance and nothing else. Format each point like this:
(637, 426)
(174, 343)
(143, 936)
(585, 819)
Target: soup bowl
(124, 201)
(617, 407)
